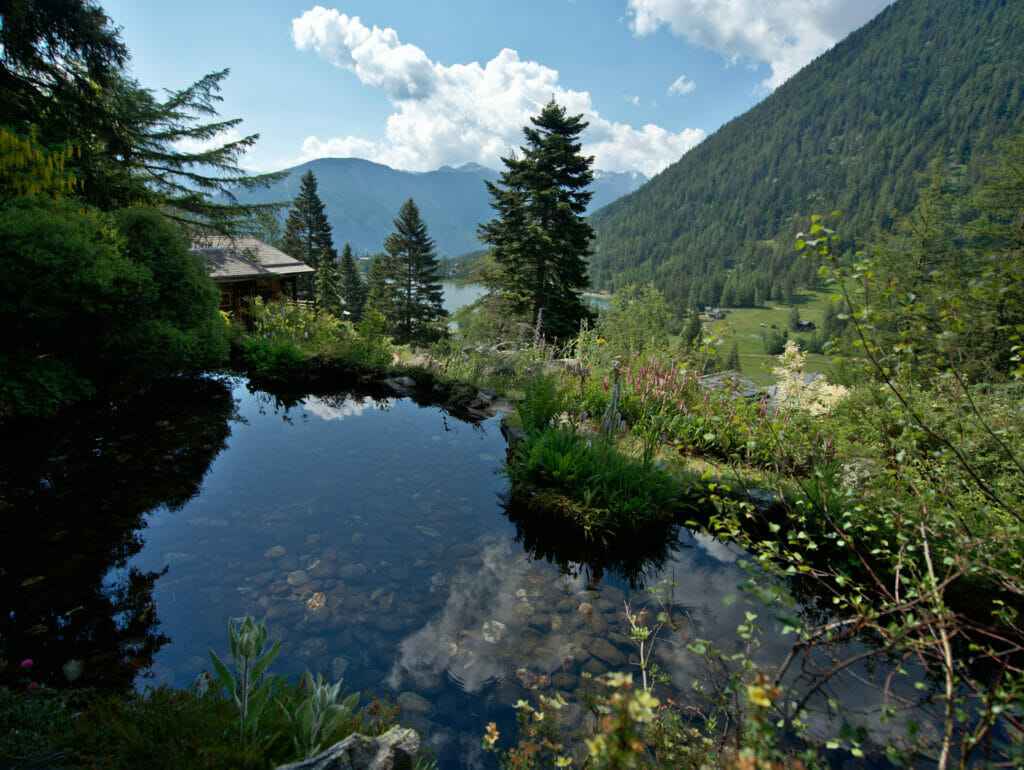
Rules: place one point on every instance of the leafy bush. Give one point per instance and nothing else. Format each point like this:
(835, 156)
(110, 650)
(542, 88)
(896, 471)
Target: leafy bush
(371, 345)
(635, 324)
(285, 333)
(98, 300)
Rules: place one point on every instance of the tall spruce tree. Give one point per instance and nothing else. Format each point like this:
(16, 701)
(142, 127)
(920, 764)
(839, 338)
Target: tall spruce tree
(327, 285)
(540, 240)
(412, 270)
(377, 286)
(307, 233)
(353, 291)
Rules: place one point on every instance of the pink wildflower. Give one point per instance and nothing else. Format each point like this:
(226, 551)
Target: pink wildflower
(27, 663)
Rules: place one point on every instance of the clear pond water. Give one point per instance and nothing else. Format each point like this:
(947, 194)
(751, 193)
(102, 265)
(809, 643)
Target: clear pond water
(369, 533)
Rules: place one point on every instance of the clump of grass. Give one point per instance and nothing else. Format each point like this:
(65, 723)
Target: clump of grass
(613, 491)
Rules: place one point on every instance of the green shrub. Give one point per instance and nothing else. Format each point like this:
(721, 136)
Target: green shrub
(371, 345)
(309, 332)
(636, 324)
(285, 334)
(98, 300)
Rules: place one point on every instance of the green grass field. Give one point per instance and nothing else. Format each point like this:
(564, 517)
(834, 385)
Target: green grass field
(744, 326)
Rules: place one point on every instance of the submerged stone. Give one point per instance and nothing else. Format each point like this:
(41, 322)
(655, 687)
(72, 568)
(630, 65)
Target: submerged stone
(414, 703)
(603, 649)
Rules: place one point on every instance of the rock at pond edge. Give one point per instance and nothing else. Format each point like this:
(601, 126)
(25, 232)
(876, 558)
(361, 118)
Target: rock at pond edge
(395, 750)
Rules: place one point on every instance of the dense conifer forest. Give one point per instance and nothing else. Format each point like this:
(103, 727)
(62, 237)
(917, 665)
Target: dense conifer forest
(852, 131)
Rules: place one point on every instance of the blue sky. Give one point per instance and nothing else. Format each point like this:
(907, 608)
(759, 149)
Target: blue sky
(418, 85)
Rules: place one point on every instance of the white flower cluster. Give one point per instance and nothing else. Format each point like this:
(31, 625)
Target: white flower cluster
(795, 390)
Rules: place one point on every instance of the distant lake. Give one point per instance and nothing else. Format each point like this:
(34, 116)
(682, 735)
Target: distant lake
(459, 295)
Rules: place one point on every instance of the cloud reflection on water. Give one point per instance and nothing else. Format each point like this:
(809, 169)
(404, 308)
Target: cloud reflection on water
(452, 643)
(339, 409)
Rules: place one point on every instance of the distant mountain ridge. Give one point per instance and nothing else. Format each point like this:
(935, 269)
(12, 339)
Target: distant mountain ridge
(851, 131)
(361, 198)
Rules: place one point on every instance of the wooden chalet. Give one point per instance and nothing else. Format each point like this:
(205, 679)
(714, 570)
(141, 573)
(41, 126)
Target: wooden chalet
(244, 268)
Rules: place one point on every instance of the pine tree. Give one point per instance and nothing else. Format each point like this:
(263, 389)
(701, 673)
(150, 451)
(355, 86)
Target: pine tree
(411, 267)
(353, 292)
(307, 233)
(377, 286)
(794, 319)
(694, 329)
(327, 286)
(539, 239)
(732, 361)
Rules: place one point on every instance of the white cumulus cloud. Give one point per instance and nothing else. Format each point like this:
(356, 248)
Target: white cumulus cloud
(681, 86)
(785, 33)
(464, 112)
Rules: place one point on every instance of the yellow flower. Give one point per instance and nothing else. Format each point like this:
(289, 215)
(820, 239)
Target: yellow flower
(492, 735)
(758, 696)
(596, 745)
(641, 707)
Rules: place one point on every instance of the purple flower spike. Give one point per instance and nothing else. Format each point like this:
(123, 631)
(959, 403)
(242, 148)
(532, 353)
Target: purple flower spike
(27, 663)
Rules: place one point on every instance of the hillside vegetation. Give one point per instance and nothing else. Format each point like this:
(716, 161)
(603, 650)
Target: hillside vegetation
(850, 132)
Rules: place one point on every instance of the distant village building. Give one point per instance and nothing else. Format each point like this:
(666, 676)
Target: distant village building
(805, 326)
(715, 313)
(244, 268)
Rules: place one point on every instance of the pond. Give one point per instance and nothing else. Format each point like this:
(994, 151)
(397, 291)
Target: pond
(368, 532)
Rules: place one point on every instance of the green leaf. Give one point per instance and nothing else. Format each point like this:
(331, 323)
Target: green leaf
(787, 619)
(223, 674)
(266, 660)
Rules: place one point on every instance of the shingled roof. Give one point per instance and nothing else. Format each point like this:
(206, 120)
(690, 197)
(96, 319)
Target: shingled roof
(732, 383)
(241, 259)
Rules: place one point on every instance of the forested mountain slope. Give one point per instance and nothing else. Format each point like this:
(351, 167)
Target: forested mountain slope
(850, 131)
(362, 198)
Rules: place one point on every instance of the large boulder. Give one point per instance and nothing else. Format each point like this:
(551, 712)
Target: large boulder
(394, 750)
